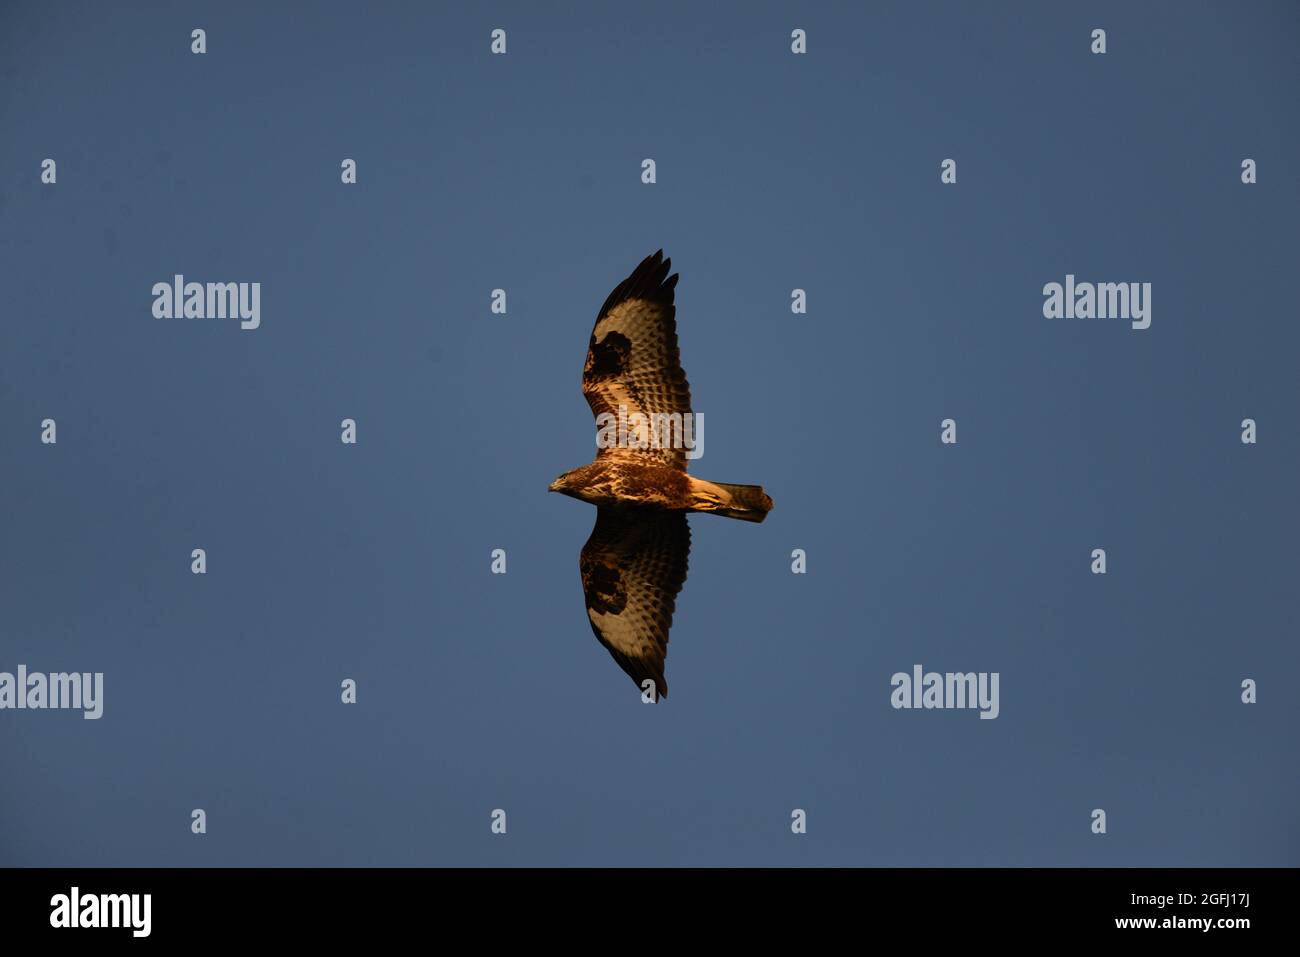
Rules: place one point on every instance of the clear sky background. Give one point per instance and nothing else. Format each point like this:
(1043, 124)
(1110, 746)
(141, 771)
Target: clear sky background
(775, 171)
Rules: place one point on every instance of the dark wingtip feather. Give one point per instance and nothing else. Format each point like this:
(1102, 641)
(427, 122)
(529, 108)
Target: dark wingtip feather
(649, 281)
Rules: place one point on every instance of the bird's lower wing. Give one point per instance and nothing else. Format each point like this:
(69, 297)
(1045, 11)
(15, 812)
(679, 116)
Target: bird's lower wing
(633, 566)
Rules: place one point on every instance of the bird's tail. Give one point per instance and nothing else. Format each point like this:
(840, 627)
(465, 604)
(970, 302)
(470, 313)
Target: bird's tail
(748, 503)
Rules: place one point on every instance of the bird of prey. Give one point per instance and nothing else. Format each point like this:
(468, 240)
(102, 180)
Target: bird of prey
(634, 563)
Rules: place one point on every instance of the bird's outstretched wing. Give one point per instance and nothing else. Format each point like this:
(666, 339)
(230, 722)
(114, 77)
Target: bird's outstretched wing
(633, 566)
(633, 362)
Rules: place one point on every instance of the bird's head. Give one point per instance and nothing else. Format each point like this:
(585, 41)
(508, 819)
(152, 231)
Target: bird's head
(563, 484)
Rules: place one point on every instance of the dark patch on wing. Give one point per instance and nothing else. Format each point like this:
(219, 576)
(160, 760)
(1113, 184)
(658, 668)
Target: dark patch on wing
(603, 586)
(608, 357)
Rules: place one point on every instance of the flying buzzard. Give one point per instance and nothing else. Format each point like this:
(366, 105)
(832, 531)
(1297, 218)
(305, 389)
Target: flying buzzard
(634, 563)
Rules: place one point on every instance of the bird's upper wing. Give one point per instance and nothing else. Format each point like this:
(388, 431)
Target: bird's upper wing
(633, 364)
(633, 566)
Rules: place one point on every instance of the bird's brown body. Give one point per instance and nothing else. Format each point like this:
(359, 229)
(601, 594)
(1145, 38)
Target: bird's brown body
(613, 481)
(634, 563)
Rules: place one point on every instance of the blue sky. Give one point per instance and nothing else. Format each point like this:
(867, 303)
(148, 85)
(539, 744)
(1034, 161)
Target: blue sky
(774, 172)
